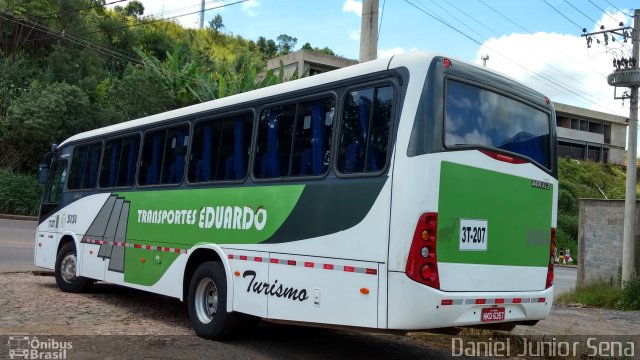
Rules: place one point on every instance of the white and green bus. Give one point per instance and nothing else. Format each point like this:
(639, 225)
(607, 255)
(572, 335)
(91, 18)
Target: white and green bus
(409, 193)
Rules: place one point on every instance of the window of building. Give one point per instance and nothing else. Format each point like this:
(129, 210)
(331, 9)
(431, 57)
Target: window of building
(220, 149)
(84, 166)
(119, 162)
(163, 156)
(295, 139)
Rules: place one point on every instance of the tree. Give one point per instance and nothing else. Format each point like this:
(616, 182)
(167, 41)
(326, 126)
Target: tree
(324, 50)
(267, 47)
(216, 23)
(134, 8)
(137, 94)
(42, 115)
(286, 43)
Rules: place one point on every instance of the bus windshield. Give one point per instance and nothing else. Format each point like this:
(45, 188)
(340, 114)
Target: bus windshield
(476, 116)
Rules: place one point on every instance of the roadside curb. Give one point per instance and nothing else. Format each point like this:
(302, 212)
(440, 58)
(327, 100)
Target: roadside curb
(18, 217)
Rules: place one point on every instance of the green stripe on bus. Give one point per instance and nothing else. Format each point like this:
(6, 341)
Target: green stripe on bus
(183, 218)
(518, 216)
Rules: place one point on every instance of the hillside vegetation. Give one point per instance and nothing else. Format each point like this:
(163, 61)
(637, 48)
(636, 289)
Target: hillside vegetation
(68, 66)
(584, 179)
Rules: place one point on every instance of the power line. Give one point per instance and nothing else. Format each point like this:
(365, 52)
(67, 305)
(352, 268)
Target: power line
(548, 64)
(563, 15)
(617, 8)
(86, 8)
(580, 11)
(381, 17)
(69, 37)
(454, 17)
(601, 9)
(141, 23)
(560, 86)
(176, 10)
(472, 18)
(531, 32)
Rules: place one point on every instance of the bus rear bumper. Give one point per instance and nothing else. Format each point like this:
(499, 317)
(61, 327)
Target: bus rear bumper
(414, 306)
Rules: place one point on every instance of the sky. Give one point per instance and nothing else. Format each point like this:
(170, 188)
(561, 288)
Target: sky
(537, 42)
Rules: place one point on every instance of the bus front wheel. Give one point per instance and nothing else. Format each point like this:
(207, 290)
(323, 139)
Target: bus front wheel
(65, 271)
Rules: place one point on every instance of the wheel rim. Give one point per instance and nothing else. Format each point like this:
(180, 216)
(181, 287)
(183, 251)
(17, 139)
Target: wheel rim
(68, 268)
(206, 300)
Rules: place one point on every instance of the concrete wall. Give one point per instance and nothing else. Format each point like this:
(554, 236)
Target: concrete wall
(600, 231)
(303, 60)
(578, 135)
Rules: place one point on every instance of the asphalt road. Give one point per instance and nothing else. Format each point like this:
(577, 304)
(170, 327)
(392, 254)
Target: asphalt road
(16, 245)
(16, 253)
(564, 279)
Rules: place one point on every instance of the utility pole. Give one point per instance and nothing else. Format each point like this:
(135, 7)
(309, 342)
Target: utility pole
(484, 59)
(369, 31)
(626, 75)
(201, 14)
(629, 234)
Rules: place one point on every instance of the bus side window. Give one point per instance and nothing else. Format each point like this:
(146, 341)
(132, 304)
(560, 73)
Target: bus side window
(313, 131)
(163, 156)
(119, 162)
(84, 166)
(220, 149)
(295, 139)
(273, 148)
(364, 134)
(175, 155)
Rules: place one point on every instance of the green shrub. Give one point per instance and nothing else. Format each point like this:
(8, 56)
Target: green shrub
(630, 297)
(19, 194)
(599, 294)
(606, 294)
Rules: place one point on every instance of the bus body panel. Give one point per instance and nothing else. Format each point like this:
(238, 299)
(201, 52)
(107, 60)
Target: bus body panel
(244, 266)
(329, 291)
(46, 248)
(414, 306)
(427, 176)
(327, 250)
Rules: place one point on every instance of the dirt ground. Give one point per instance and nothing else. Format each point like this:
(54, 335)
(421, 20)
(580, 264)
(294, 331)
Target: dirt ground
(32, 305)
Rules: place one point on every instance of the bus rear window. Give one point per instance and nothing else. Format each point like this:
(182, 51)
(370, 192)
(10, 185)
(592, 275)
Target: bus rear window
(476, 116)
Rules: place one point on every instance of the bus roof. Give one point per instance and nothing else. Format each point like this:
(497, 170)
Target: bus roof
(410, 59)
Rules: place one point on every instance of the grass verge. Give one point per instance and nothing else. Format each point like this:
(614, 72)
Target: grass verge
(606, 295)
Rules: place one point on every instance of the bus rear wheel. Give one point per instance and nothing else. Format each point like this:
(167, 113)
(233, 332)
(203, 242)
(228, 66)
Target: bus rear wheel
(207, 304)
(66, 269)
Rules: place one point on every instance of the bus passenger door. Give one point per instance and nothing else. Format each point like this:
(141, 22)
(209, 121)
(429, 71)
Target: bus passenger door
(47, 235)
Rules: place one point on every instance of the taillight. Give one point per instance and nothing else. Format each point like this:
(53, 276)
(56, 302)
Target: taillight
(501, 157)
(552, 251)
(422, 264)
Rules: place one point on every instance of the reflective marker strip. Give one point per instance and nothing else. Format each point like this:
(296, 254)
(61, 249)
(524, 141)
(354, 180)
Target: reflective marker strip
(306, 264)
(486, 301)
(87, 240)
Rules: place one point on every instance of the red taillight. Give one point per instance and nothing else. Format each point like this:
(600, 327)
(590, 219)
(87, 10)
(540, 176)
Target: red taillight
(551, 253)
(421, 268)
(502, 157)
(446, 62)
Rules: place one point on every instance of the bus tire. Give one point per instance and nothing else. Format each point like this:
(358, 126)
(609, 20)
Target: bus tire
(65, 271)
(207, 303)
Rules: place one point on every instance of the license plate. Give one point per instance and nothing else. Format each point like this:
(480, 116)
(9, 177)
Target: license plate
(492, 314)
(474, 234)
